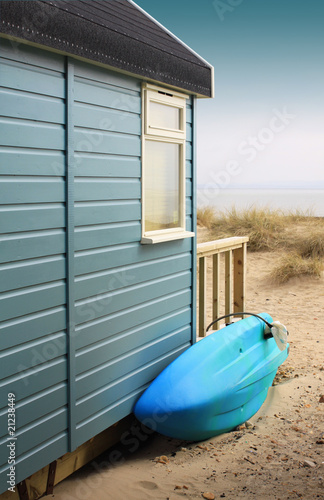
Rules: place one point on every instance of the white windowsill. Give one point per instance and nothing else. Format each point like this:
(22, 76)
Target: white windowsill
(163, 237)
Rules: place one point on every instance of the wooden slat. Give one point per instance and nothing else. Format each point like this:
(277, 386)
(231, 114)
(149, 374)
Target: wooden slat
(106, 212)
(31, 218)
(97, 237)
(189, 132)
(45, 349)
(98, 141)
(32, 245)
(189, 112)
(31, 327)
(22, 489)
(105, 189)
(31, 162)
(102, 165)
(189, 148)
(17, 190)
(110, 257)
(130, 296)
(189, 169)
(100, 118)
(107, 96)
(91, 383)
(26, 273)
(228, 282)
(89, 74)
(32, 379)
(216, 288)
(42, 60)
(125, 406)
(188, 188)
(40, 430)
(202, 296)
(130, 319)
(31, 106)
(33, 299)
(40, 404)
(189, 212)
(88, 285)
(29, 134)
(128, 384)
(222, 245)
(31, 79)
(133, 338)
(239, 278)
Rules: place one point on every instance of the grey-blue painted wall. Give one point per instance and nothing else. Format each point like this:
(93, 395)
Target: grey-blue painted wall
(89, 316)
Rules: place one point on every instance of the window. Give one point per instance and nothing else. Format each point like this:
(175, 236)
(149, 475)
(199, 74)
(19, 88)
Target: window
(163, 165)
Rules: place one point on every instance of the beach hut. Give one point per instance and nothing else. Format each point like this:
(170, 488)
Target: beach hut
(97, 219)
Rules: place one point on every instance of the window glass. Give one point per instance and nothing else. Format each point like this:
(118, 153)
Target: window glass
(163, 165)
(162, 116)
(162, 193)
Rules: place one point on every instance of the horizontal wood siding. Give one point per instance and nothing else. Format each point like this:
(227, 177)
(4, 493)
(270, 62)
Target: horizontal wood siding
(132, 303)
(32, 247)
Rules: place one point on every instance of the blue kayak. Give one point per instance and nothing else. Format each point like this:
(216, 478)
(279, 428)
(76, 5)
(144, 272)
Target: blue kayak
(214, 386)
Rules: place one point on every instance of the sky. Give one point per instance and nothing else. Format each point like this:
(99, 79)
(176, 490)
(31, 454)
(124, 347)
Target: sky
(265, 125)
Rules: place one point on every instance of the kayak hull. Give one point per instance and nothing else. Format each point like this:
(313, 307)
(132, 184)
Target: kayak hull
(214, 386)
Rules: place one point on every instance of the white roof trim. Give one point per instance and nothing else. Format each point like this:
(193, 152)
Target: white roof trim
(170, 33)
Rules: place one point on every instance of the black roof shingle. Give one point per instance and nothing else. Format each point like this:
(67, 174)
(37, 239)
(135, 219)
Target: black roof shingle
(113, 32)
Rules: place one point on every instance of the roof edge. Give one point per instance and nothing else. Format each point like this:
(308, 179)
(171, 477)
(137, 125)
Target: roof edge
(181, 43)
(170, 33)
(23, 41)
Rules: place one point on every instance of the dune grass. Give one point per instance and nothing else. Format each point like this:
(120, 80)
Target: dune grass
(299, 235)
(293, 265)
(205, 217)
(262, 225)
(312, 245)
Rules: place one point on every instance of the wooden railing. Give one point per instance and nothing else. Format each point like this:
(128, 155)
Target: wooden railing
(235, 272)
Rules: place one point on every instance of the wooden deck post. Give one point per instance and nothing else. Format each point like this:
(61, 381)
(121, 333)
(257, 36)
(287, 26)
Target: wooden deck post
(229, 282)
(216, 288)
(202, 296)
(239, 278)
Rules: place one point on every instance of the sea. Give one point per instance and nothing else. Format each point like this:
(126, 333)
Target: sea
(307, 201)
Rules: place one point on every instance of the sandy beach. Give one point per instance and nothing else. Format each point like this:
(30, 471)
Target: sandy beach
(278, 454)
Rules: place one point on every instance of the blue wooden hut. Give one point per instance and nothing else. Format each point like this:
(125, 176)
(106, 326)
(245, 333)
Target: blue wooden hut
(97, 218)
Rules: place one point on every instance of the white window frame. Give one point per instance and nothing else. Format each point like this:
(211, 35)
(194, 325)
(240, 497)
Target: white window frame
(152, 93)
